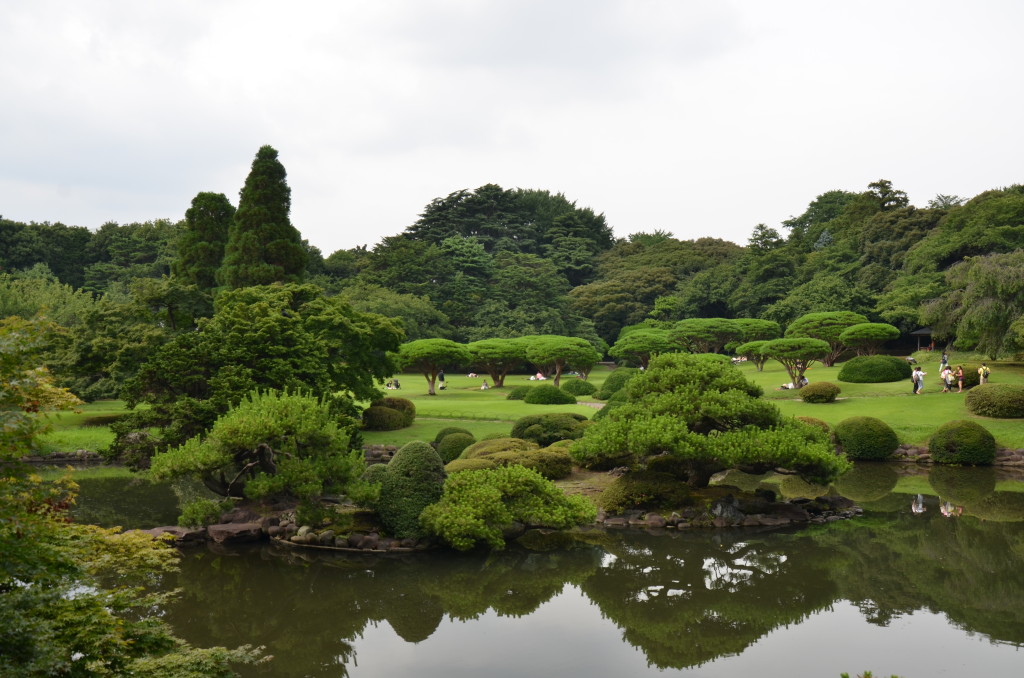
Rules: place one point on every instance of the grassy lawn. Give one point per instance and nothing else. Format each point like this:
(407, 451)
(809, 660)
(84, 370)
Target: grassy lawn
(84, 428)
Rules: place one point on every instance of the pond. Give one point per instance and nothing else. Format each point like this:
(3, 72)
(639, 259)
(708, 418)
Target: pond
(917, 586)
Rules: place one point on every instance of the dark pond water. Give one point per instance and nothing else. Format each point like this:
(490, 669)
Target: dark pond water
(932, 592)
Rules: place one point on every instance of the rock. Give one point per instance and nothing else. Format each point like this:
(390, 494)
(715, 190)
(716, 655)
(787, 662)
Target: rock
(408, 543)
(269, 521)
(791, 512)
(235, 533)
(327, 538)
(182, 535)
(654, 520)
(355, 540)
(274, 531)
(615, 522)
(773, 520)
(726, 509)
(370, 541)
(239, 515)
(722, 522)
(304, 530)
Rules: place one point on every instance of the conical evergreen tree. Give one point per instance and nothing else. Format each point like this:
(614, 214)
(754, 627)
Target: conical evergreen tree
(201, 244)
(263, 247)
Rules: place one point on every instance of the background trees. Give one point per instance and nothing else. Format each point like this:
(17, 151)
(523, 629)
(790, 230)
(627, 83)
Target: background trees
(430, 356)
(202, 240)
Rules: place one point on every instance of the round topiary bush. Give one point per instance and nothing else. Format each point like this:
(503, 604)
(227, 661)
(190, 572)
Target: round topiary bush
(485, 448)
(547, 394)
(960, 485)
(374, 473)
(553, 463)
(616, 381)
(412, 481)
(518, 393)
(815, 422)
(469, 464)
(820, 392)
(403, 405)
(644, 490)
(874, 369)
(867, 482)
(866, 438)
(962, 442)
(452, 445)
(545, 429)
(379, 418)
(578, 387)
(448, 430)
(1001, 401)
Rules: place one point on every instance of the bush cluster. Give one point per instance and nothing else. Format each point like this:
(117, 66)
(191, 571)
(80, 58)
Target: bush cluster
(962, 442)
(866, 438)
(518, 392)
(452, 445)
(448, 430)
(815, 422)
(875, 369)
(377, 418)
(477, 506)
(578, 387)
(548, 394)
(201, 512)
(645, 490)
(403, 405)
(491, 446)
(616, 381)
(545, 429)
(412, 481)
(553, 463)
(820, 392)
(1001, 401)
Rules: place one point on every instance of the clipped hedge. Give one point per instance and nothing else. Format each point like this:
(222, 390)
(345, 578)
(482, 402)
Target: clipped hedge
(820, 392)
(458, 465)
(616, 381)
(484, 448)
(548, 394)
(578, 387)
(448, 430)
(403, 405)
(962, 442)
(1001, 401)
(412, 481)
(866, 438)
(545, 429)
(553, 463)
(644, 490)
(874, 369)
(452, 445)
(379, 418)
(815, 422)
(518, 392)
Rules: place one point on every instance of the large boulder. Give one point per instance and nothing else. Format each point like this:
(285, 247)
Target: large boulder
(235, 533)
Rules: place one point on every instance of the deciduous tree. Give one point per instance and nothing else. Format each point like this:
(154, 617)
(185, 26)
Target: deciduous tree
(430, 356)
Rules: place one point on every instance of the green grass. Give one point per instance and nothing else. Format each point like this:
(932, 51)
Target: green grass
(84, 428)
(914, 418)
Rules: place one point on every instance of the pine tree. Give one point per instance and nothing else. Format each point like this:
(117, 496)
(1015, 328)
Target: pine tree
(201, 244)
(263, 247)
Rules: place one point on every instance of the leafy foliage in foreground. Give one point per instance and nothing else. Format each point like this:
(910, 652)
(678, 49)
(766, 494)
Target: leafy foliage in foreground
(477, 505)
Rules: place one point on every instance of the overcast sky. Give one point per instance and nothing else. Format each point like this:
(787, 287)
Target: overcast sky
(699, 118)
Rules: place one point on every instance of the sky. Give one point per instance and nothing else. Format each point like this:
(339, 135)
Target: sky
(700, 118)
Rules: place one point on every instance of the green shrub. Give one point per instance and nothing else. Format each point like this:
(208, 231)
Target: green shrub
(452, 445)
(484, 448)
(866, 438)
(867, 481)
(518, 393)
(874, 369)
(795, 487)
(413, 481)
(547, 394)
(962, 442)
(374, 473)
(605, 411)
(668, 464)
(477, 506)
(578, 387)
(616, 381)
(820, 392)
(449, 429)
(645, 490)
(403, 405)
(202, 512)
(457, 465)
(962, 486)
(816, 423)
(1001, 401)
(548, 428)
(379, 418)
(552, 463)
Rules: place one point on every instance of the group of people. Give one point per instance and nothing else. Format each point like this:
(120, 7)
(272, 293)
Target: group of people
(392, 385)
(950, 377)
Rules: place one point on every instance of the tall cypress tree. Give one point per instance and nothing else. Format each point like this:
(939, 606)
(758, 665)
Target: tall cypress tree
(201, 244)
(263, 247)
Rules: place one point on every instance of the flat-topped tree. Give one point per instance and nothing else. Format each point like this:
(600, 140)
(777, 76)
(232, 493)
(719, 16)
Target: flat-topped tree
(756, 329)
(263, 247)
(641, 345)
(430, 356)
(705, 335)
(796, 355)
(752, 351)
(552, 354)
(827, 326)
(868, 338)
(497, 357)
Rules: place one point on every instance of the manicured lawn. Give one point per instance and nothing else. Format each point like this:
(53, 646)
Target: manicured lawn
(84, 428)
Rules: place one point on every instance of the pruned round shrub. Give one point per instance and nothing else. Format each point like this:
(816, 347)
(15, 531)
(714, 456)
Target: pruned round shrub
(452, 445)
(815, 422)
(518, 392)
(578, 387)
(547, 394)
(379, 418)
(866, 438)
(1001, 401)
(616, 381)
(962, 442)
(458, 465)
(374, 473)
(548, 428)
(403, 405)
(450, 429)
(794, 487)
(552, 463)
(874, 369)
(962, 486)
(867, 482)
(820, 392)
(644, 490)
(412, 481)
(484, 448)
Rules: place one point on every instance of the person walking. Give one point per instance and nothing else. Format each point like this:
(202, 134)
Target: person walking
(440, 381)
(983, 373)
(947, 379)
(917, 377)
(944, 363)
(959, 378)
